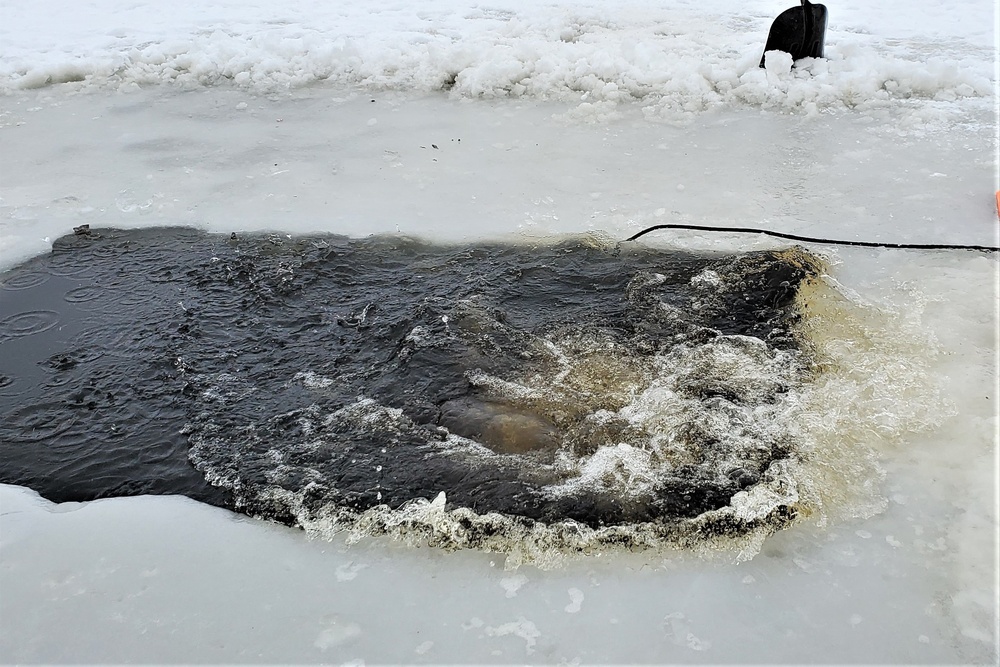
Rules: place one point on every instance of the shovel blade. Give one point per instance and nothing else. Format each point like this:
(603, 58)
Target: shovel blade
(799, 31)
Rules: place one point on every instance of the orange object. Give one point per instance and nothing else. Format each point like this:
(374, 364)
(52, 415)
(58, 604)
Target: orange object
(998, 202)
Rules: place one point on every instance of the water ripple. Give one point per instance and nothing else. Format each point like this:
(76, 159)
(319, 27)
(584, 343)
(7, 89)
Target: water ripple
(25, 280)
(28, 323)
(85, 293)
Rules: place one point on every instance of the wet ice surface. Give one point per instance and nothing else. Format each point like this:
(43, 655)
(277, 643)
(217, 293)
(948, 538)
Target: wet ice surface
(329, 160)
(142, 572)
(914, 583)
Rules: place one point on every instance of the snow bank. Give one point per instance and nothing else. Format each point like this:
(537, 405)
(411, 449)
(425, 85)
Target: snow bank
(675, 60)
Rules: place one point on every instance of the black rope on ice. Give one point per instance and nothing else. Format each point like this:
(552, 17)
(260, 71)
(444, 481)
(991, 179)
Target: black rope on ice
(810, 239)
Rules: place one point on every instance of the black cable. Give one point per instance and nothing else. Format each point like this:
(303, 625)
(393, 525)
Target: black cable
(809, 239)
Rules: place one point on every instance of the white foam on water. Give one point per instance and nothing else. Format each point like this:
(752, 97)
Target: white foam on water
(621, 468)
(313, 380)
(856, 391)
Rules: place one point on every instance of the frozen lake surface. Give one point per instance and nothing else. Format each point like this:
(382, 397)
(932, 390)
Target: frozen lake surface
(238, 121)
(316, 159)
(166, 579)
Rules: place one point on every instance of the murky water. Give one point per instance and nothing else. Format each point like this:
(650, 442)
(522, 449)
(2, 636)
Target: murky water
(467, 395)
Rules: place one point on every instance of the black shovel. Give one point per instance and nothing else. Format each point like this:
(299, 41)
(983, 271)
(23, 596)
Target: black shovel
(799, 31)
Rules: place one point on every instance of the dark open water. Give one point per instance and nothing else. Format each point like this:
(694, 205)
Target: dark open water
(353, 373)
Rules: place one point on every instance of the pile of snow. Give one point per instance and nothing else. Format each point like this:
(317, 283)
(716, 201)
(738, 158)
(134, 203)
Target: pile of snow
(675, 60)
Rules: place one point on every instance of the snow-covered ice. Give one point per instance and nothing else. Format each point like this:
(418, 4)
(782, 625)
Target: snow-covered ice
(459, 121)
